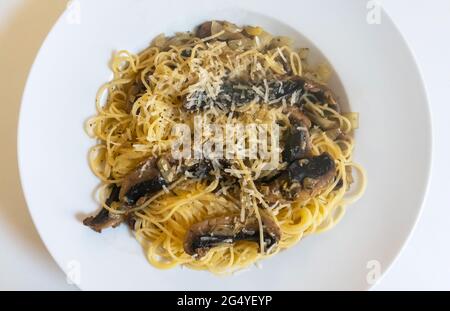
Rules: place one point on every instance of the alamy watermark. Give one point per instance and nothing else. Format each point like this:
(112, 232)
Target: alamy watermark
(374, 273)
(73, 272)
(373, 16)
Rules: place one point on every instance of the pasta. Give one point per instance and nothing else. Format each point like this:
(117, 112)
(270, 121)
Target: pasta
(183, 79)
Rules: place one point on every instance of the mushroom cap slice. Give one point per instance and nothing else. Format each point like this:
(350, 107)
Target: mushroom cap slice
(204, 30)
(311, 174)
(145, 179)
(297, 144)
(322, 93)
(207, 234)
(303, 179)
(230, 30)
(104, 219)
(242, 92)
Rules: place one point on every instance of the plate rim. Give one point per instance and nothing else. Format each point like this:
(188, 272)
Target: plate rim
(429, 154)
(430, 143)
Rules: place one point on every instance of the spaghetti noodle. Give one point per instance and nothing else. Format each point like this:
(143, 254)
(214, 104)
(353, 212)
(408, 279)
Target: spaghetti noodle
(179, 78)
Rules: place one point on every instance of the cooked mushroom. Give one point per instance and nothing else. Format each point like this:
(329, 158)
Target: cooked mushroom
(303, 179)
(201, 169)
(207, 234)
(241, 93)
(204, 30)
(186, 53)
(144, 180)
(297, 143)
(232, 92)
(229, 30)
(154, 174)
(104, 219)
(131, 221)
(297, 117)
(321, 93)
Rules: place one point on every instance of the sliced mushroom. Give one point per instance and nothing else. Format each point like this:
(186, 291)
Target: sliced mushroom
(235, 92)
(144, 180)
(147, 179)
(104, 219)
(210, 233)
(186, 53)
(131, 221)
(154, 174)
(241, 93)
(321, 93)
(200, 170)
(297, 117)
(229, 30)
(303, 179)
(204, 30)
(297, 144)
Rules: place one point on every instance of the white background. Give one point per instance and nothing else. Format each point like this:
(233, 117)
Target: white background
(25, 264)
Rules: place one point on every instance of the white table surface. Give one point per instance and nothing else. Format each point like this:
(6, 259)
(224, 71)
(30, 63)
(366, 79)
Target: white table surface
(25, 264)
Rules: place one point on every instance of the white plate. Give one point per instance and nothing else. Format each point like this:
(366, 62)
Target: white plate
(374, 66)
